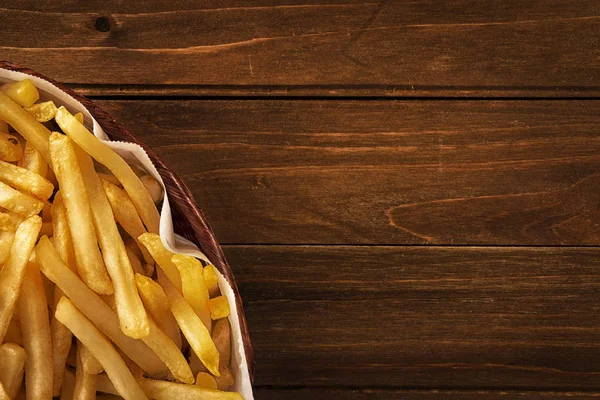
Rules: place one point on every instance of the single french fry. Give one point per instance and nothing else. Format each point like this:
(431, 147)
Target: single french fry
(61, 346)
(6, 241)
(115, 163)
(194, 288)
(126, 215)
(9, 221)
(164, 390)
(225, 381)
(90, 265)
(85, 382)
(210, 278)
(34, 161)
(206, 380)
(219, 307)
(63, 242)
(162, 256)
(221, 335)
(155, 301)
(20, 203)
(101, 348)
(22, 92)
(68, 388)
(89, 362)
(153, 187)
(12, 360)
(79, 117)
(14, 334)
(13, 271)
(191, 326)
(132, 315)
(10, 148)
(25, 180)
(94, 308)
(135, 261)
(42, 112)
(36, 335)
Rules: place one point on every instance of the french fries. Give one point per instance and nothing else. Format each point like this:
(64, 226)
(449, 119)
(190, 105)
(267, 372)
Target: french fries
(9, 221)
(33, 161)
(68, 387)
(14, 334)
(79, 214)
(85, 382)
(10, 149)
(3, 394)
(36, 336)
(13, 271)
(22, 92)
(219, 307)
(163, 390)
(194, 290)
(12, 360)
(206, 380)
(221, 335)
(162, 256)
(6, 240)
(25, 180)
(42, 112)
(101, 348)
(17, 202)
(210, 278)
(153, 187)
(88, 362)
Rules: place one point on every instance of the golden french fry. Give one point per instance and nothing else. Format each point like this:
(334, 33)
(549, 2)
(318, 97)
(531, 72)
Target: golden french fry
(6, 241)
(17, 202)
(153, 187)
(22, 92)
(135, 261)
(115, 163)
(33, 161)
(101, 348)
(194, 288)
(89, 362)
(108, 177)
(155, 301)
(85, 383)
(10, 148)
(12, 360)
(61, 346)
(206, 380)
(219, 307)
(79, 215)
(68, 388)
(25, 180)
(36, 335)
(162, 256)
(191, 326)
(42, 112)
(79, 117)
(94, 308)
(33, 131)
(126, 215)
(132, 315)
(63, 242)
(221, 335)
(211, 280)
(13, 271)
(14, 334)
(164, 390)
(224, 381)
(9, 221)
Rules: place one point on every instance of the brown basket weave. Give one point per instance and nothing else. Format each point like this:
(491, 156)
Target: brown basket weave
(188, 219)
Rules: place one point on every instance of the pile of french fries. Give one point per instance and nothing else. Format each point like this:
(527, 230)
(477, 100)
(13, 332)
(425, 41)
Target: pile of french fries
(84, 311)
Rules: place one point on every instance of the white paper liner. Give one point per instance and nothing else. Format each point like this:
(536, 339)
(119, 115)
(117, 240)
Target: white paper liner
(133, 153)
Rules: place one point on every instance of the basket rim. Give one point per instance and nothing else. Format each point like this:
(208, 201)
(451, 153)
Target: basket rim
(194, 225)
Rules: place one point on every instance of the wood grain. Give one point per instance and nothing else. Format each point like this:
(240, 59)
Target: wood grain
(422, 317)
(464, 46)
(383, 172)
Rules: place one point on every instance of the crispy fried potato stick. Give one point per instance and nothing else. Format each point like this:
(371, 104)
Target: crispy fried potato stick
(34, 132)
(20, 203)
(222, 337)
(33, 161)
(132, 315)
(225, 381)
(155, 301)
(13, 271)
(195, 291)
(25, 180)
(192, 327)
(79, 117)
(101, 348)
(89, 362)
(162, 257)
(63, 242)
(153, 187)
(206, 380)
(9, 221)
(12, 360)
(79, 214)
(85, 383)
(94, 308)
(22, 92)
(126, 215)
(210, 277)
(42, 112)
(164, 390)
(6, 240)
(115, 163)
(10, 149)
(219, 307)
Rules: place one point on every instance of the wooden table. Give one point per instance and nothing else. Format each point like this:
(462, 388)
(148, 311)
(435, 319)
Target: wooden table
(408, 192)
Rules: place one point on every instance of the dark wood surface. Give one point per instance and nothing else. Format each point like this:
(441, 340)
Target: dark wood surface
(408, 191)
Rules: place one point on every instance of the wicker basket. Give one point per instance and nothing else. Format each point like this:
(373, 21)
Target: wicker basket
(188, 219)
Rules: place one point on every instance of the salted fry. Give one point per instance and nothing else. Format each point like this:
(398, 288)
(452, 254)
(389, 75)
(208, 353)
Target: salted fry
(85, 382)
(63, 242)
(155, 301)
(164, 390)
(94, 308)
(9, 221)
(22, 92)
(33, 131)
(36, 335)
(10, 149)
(221, 335)
(211, 280)
(162, 256)
(25, 180)
(33, 161)
(12, 360)
(79, 215)
(101, 348)
(191, 326)
(132, 315)
(42, 112)
(13, 271)
(206, 380)
(219, 307)
(6, 241)
(89, 362)
(194, 288)
(20, 203)
(153, 187)
(115, 163)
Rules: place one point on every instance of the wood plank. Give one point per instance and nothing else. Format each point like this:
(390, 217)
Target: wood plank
(422, 317)
(383, 172)
(465, 45)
